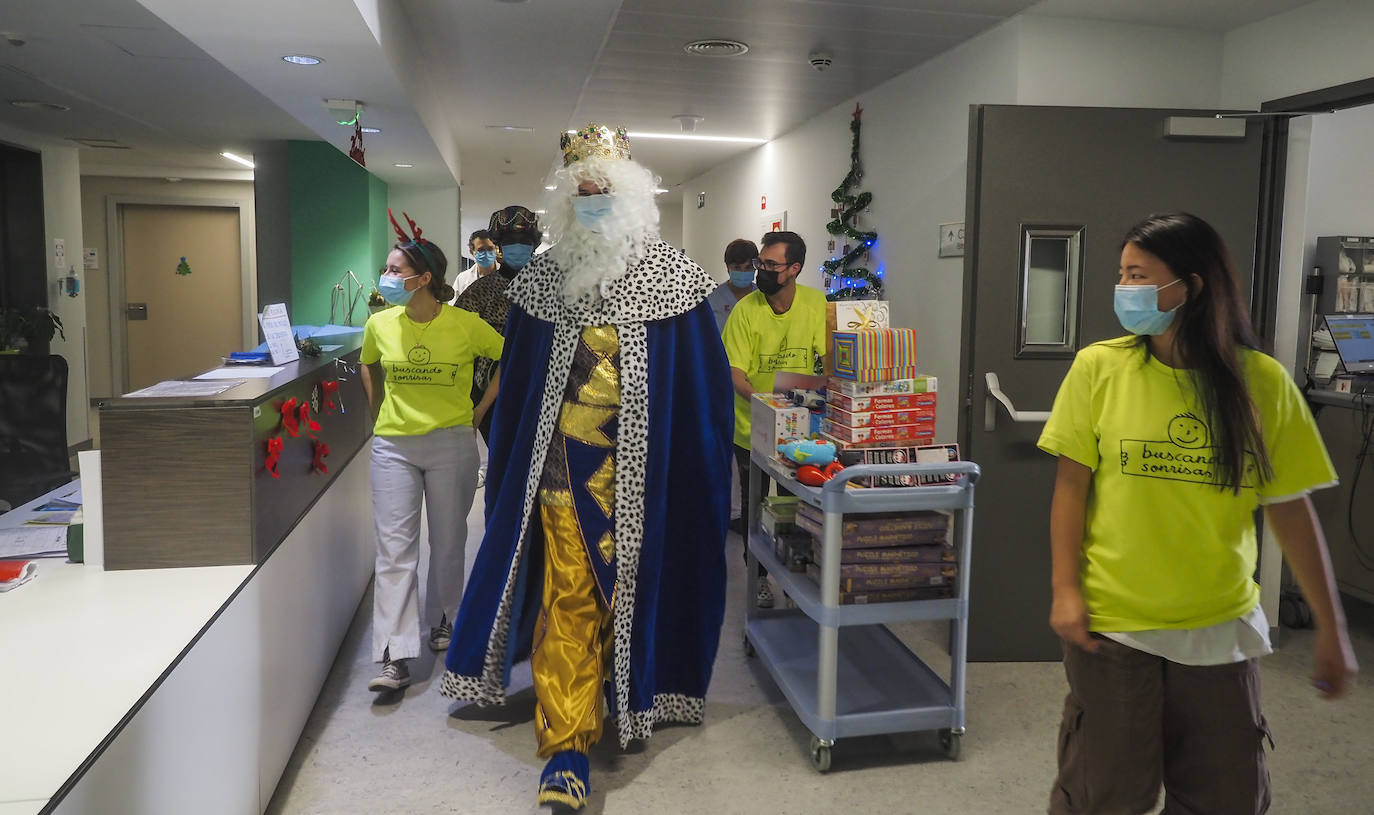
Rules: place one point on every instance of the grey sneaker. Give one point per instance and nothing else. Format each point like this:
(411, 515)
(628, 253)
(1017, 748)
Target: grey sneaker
(440, 636)
(394, 676)
(764, 598)
(482, 476)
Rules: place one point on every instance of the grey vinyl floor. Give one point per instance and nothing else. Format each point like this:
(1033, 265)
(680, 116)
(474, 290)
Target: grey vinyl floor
(419, 752)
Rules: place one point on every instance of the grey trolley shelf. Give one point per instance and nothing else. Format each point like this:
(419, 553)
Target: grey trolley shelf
(861, 681)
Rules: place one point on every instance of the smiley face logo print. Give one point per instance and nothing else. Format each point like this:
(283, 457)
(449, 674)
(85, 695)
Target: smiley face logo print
(1184, 454)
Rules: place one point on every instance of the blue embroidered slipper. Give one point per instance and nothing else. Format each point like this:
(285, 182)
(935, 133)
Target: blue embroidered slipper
(566, 780)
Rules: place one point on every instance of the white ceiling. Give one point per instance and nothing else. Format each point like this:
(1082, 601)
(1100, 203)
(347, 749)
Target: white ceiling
(127, 76)
(180, 80)
(1209, 15)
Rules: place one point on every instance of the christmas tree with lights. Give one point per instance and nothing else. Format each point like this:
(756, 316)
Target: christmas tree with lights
(845, 277)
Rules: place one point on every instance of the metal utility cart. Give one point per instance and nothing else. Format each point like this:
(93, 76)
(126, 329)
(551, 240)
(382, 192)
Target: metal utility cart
(866, 682)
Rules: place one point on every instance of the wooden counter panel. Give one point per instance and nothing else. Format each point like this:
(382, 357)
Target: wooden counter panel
(177, 488)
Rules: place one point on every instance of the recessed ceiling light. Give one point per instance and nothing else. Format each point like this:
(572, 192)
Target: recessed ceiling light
(403, 165)
(372, 130)
(550, 186)
(695, 137)
(715, 47)
(541, 212)
(238, 160)
(511, 128)
(37, 104)
(301, 59)
(659, 190)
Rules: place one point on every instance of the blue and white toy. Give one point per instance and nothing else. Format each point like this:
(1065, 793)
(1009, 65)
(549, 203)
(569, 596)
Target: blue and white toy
(816, 452)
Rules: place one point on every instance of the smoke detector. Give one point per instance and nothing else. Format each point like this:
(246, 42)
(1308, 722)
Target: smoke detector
(688, 121)
(820, 60)
(716, 48)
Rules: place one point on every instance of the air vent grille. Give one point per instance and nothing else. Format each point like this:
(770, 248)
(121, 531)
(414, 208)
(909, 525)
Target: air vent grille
(716, 48)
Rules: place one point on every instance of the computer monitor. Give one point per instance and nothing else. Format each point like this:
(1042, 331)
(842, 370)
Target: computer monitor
(1353, 335)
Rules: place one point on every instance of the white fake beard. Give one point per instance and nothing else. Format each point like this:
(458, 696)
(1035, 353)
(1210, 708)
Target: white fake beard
(589, 260)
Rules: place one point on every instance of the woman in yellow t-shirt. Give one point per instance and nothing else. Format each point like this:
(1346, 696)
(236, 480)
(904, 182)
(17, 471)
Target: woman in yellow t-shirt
(1168, 440)
(419, 360)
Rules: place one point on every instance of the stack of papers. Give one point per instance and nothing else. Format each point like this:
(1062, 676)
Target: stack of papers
(33, 541)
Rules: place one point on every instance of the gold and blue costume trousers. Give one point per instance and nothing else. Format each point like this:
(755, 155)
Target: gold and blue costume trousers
(571, 659)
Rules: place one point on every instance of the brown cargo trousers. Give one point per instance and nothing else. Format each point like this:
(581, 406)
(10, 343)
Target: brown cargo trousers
(1134, 721)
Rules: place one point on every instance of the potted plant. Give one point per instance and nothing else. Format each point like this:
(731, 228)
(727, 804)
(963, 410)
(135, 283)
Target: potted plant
(23, 326)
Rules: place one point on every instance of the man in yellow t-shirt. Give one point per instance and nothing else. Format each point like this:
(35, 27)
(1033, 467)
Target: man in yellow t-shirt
(779, 328)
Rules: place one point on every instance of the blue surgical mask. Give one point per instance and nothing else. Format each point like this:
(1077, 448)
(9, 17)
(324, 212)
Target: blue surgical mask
(485, 257)
(516, 254)
(741, 278)
(592, 210)
(394, 289)
(1137, 307)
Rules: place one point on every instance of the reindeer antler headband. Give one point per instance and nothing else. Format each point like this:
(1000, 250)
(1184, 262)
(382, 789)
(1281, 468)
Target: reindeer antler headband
(423, 244)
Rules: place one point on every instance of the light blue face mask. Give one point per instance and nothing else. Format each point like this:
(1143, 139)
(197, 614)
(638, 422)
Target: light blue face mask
(741, 278)
(1137, 307)
(592, 210)
(516, 255)
(394, 289)
(485, 258)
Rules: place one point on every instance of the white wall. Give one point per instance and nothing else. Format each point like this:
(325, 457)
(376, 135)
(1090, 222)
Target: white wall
(62, 219)
(1338, 198)
(94, 192)
(436, 211)
(1316, 46)
(670, 218)
(914, 147)
(1066, 61)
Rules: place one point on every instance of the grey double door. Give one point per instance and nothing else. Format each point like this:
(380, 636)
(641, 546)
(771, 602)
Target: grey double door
(1051, 193)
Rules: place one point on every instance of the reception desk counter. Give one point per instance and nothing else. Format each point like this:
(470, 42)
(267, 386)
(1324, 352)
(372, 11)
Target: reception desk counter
(220, 480)
(178, 680)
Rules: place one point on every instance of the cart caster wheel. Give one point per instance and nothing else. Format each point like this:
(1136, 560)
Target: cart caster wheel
(820, 754)
(949, 742)
(748, 647)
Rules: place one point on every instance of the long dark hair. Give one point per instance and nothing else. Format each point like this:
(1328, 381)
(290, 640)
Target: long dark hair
(1213, 326)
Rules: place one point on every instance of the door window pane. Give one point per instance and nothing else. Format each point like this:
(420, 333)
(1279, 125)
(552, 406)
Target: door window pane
(1050, 260)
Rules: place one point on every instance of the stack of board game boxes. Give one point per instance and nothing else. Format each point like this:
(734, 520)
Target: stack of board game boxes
(887, 557)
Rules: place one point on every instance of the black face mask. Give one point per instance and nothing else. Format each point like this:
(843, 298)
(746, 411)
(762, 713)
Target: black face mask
(767, 282)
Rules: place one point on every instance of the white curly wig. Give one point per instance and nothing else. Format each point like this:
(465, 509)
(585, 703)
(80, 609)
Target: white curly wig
(588, 258)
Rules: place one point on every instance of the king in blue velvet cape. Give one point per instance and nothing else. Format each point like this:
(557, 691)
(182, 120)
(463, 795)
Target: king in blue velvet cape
(672, 490)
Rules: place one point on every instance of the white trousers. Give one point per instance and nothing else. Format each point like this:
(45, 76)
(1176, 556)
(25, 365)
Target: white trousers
(439, 467)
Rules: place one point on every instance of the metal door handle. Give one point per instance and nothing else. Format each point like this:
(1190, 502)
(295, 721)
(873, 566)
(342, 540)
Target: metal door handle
(136, 311)
(995, 395)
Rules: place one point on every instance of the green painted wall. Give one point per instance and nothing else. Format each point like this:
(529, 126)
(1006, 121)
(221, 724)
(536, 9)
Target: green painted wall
(335, 226)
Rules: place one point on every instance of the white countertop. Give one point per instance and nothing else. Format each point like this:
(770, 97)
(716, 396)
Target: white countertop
(81, 647)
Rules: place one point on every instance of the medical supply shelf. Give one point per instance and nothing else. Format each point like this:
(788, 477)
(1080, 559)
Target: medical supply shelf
(866, 682)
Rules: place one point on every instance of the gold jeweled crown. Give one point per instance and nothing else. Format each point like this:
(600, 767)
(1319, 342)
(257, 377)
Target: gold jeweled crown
(594, 141)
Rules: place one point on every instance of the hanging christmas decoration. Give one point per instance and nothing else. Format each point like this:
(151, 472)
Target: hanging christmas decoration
(183, 268)
(355, 144)
(845, 277)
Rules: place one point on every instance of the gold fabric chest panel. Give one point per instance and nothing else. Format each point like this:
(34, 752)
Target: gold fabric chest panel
(592, 397)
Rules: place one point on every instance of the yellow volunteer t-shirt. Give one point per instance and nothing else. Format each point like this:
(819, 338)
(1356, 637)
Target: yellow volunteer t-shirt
(1164, 546)
(428, 367)
(762, 343)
